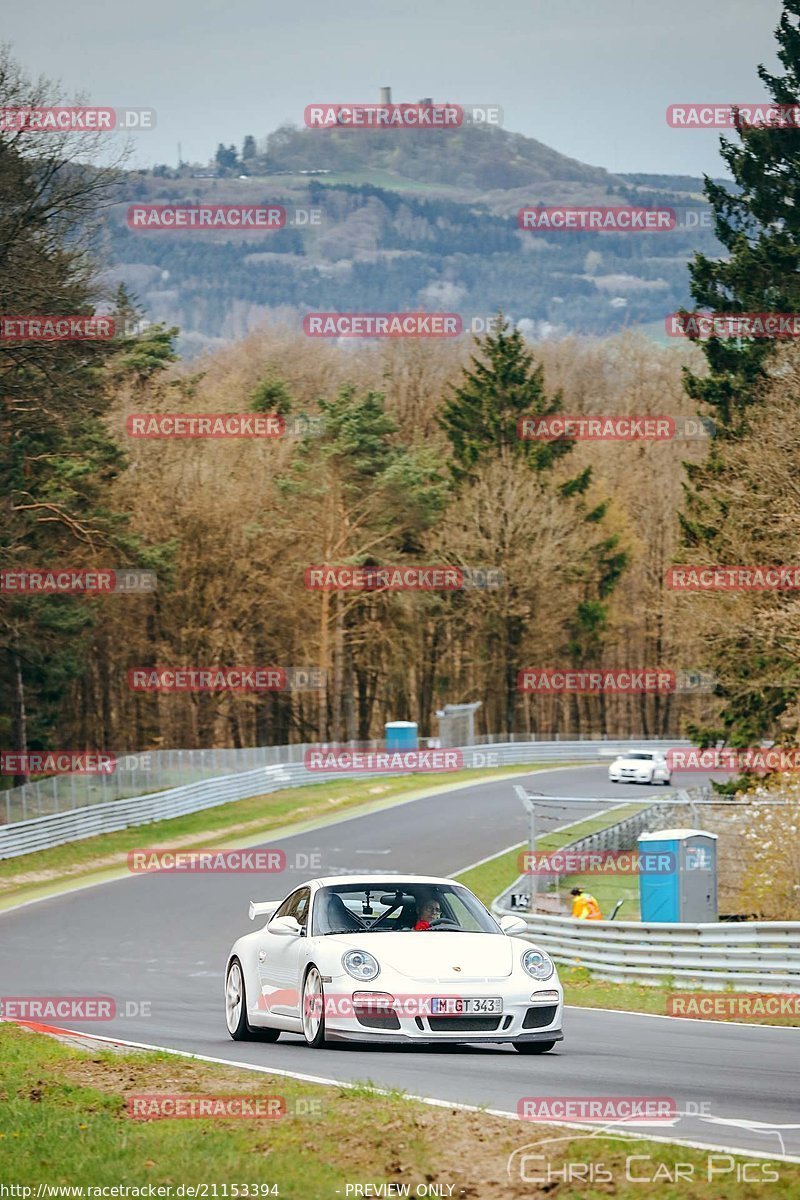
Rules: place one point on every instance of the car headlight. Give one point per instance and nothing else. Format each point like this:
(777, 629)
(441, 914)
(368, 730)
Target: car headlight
(537, 964)
(360, 964)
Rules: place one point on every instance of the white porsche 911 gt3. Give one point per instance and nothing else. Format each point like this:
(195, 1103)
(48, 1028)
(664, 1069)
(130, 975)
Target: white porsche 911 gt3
(399, 958)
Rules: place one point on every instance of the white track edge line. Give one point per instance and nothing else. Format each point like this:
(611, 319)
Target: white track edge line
(429, 1100)
(628, 1012)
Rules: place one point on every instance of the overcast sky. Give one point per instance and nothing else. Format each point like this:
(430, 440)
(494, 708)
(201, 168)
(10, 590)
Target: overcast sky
(592, 78)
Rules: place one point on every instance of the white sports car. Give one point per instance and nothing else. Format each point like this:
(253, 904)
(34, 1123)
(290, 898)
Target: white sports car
(640, 766)
(404, 958)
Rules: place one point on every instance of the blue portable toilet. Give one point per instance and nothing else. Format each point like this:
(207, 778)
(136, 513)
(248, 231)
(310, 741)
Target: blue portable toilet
(401, 735)
(678, 876)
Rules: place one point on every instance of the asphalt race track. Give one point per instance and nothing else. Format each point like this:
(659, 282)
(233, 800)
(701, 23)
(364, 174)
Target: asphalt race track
(163, 938)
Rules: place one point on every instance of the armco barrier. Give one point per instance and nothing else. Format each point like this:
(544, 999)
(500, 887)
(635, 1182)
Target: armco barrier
(748, 956)
(40, 833)
(160, 770)
(54, 829)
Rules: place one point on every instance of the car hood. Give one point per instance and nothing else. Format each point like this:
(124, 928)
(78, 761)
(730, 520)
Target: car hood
(622, 761)
(433, 956)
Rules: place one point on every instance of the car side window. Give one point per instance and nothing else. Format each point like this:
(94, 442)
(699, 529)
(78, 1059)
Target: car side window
(287, 908)
(300, 910)
(296, 906)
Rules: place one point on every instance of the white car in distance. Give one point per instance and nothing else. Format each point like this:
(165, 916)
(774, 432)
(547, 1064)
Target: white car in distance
(640, 766)
(390, 959)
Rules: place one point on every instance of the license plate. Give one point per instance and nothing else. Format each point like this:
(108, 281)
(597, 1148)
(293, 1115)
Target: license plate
(452, 1005)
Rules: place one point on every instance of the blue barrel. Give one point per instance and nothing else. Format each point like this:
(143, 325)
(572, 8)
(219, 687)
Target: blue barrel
(401, 735)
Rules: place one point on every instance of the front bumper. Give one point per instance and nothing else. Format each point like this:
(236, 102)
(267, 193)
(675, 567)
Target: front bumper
(364, 1035)
(523, 1019)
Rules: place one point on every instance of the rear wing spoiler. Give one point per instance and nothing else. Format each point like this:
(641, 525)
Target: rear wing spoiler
(262, 908)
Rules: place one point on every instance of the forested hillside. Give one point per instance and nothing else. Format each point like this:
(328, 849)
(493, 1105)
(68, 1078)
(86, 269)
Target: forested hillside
(408, 243)
(469, 156)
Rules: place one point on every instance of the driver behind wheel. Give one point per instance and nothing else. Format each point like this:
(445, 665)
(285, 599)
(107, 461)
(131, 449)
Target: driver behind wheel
(429, 910)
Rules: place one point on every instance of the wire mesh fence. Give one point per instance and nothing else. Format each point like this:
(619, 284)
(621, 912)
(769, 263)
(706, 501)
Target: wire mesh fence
(137, 773)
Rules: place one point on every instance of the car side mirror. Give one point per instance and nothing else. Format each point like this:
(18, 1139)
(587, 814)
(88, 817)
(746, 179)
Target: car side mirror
(286, 927)
(513, 925)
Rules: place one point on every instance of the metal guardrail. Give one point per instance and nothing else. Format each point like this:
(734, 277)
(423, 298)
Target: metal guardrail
(54, 829)
(753, 955)
(137, 772)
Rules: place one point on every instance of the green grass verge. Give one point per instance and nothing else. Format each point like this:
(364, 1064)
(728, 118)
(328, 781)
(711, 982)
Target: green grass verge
(65, 1122)
(241, 822)
(489, 879)
(584, 990)
(606, 889)
(581, 988)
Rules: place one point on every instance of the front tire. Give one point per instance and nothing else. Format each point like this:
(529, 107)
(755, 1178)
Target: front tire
(532, 1047)
(313, 1013)
(236, 1009)
(236, 1002)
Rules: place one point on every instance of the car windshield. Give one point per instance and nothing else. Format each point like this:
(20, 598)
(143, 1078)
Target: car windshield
(646, 757)
(393, 907)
